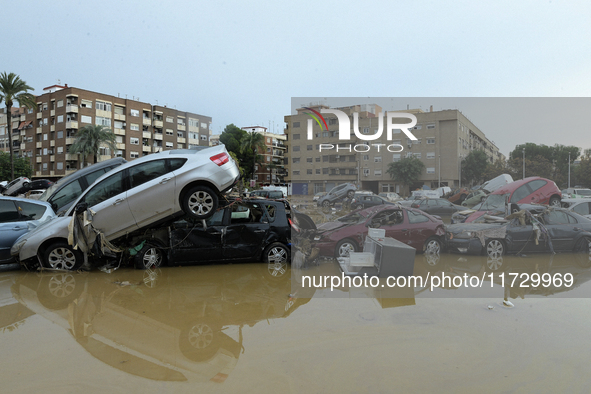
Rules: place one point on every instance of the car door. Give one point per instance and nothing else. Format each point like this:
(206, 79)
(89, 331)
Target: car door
(560, 227)
(108, 199)
(192, 243)
(445, 207)
(244, 236)
(393, 222)
(152, 190)
(11, 227)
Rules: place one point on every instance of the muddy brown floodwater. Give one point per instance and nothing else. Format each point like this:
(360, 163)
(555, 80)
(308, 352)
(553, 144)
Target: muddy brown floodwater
(236, 328)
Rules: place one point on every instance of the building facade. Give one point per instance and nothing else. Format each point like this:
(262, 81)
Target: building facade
(45, 133)
(272, 169)
(444, 138)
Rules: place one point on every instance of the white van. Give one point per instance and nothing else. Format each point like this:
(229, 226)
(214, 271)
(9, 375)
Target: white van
(496, 183)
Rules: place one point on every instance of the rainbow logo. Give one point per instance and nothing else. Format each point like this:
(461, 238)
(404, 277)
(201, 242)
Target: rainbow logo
(316, 118)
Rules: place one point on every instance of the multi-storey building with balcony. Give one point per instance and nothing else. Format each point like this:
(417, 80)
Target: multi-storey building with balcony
(272, 169)
(45, 133)
(444, 138)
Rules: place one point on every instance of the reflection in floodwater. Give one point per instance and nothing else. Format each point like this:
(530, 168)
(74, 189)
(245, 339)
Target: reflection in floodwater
(171, 324)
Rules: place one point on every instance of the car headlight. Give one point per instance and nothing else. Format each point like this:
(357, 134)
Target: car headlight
(317, 238)
(465, 235)
(16, 248)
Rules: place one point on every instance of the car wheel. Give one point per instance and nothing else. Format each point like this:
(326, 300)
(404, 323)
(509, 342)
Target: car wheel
(61, 256)
(350, 194)
(495, 248)
(494, 263)
(344, 247)
(432, 246)
(326, 204)
(200, 202)
(58, 290)
(198, 342)
(149, 257)
(583, 250)
(555, 201)
(276, 257)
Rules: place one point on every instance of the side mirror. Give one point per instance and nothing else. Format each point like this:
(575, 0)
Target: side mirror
(81, 207)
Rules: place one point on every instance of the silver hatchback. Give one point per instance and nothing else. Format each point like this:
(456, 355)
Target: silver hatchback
(135, 195)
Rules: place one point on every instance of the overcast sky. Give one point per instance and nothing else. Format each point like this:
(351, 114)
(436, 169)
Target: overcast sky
(242, 62)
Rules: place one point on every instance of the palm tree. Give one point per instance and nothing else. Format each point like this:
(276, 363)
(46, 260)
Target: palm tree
(254, 142)
(12, 89)
(89, 140)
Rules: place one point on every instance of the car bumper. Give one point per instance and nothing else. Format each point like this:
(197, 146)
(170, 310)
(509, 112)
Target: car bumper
(464, 245)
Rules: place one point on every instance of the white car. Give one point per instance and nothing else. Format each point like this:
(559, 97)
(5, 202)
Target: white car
(16, 185)
(135, 195)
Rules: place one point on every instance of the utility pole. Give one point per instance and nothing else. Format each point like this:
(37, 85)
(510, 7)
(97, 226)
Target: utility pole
(523, 163)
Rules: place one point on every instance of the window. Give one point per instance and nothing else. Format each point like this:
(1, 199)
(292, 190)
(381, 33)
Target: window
(60, 149)
(296, 124)
(85, 119)
(366, 130)
(169, 145)
(103, 121)
(180, 121)
(318, 171)
(179, 134)
(325, 171)
(430, 170)
(417, 155)
(60, 165)
(134, 155)
(119, 110)
(106, 189)
(296, 136)
(520, 193)
(431, 140)
(309, 171)
(86, 104)
(332, 121)
(377, 159)
(582, 209)
(171, 132)
(60, 134)
(325, 134)
(416, 217)
(60, 118)
(203, 138)
(377, 172)
(366, 172)
(103, 106)
(204, 125)
(537, 184)
(146, 172)
(193, 122)
(169, 119)
(310, 147)
(396, 157)
(134, 127)
(60, 103)
(134, 141)
(118, 124)
(431, 126)
(418, 127)
(430, 155)
(296, 148)
(134, 112)
(309, 160)
(296, 172)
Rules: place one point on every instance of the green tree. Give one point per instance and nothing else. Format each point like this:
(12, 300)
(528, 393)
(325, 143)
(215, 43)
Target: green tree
(583, 172)
(13, 89)
(499, 167)
(406, 171)
(231, 137)
(255, 143)
(22, 167)
(474, 167)
(89, 140)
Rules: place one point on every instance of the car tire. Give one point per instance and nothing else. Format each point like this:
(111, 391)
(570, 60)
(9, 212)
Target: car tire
(58, 290)
(555, 202)
(345, 246)
(432, 246)
(351, 194)
(62, 256)
(199, 341)
(276, 259)
(326, 204)
(583, 251)
(200, 202)
(149, 257)
(495, 248)
(494, 264)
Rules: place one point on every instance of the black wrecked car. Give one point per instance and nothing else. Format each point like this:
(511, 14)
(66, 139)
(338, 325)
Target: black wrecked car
(534, 229)
(243, 230)
(362, 201)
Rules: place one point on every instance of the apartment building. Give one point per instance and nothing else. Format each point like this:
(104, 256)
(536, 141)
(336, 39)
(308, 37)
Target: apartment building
(443, 139)
(272, 169)
(45, 133)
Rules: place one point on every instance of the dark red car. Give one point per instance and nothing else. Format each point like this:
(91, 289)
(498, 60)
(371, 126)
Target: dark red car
(532, 190)
(411, 226)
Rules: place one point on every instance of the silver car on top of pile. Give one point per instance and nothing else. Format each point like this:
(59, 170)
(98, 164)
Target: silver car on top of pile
(135, 195)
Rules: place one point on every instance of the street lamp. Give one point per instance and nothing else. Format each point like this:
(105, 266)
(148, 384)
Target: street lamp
(460, 172)
(569, 170)
(523, 163)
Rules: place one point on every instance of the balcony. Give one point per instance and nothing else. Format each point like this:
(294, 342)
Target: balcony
(52, 158)
(23, 146)
(119, 131)
(38, 144)
(72, 124)
(158, 123)
(120, 146)
(158, 136)
(120, 117)
(68, 172)
(52, 128)
(72, 108)
(146, 149)
(39, 115)
(52, 112)
(147, 122)
(23, 132)
(70, 140)
(146, 134)
(71, 157)
(52, 143)
(38, 159)
(38, 130)
(181, 140)
(23, 117)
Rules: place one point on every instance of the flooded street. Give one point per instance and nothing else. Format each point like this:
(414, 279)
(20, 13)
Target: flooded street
(230, 328)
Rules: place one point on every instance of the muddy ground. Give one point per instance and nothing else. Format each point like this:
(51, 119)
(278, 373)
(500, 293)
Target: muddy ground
(235, 328)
